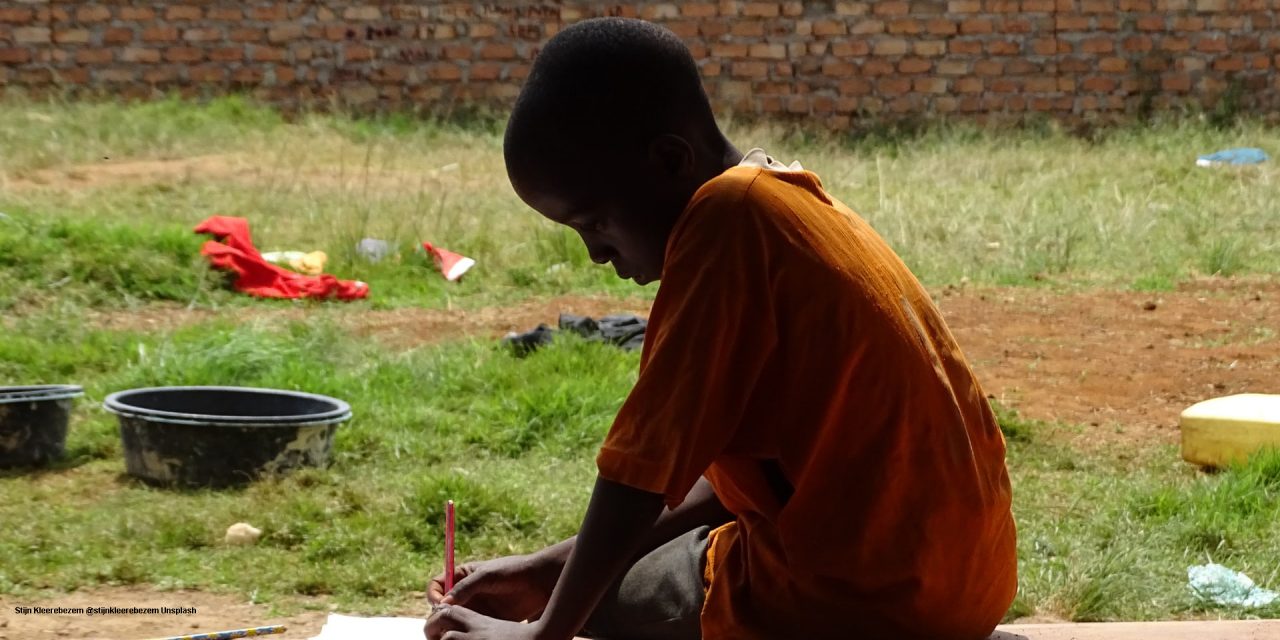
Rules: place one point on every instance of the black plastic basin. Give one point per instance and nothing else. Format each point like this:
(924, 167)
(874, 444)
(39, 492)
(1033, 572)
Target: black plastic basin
(33, 423)
(223, 436)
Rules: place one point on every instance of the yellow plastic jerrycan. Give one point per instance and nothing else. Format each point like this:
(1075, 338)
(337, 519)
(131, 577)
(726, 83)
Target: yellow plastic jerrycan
(1223, 430)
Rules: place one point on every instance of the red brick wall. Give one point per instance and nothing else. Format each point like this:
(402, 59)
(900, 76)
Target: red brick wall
(831, 61)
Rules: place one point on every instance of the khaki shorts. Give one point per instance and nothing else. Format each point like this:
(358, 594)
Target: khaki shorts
(659, 597)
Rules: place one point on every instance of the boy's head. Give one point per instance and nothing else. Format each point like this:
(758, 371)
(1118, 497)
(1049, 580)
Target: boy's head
(611, 136)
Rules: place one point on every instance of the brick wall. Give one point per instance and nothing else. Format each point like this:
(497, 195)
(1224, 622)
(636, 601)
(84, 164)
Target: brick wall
(829, 61)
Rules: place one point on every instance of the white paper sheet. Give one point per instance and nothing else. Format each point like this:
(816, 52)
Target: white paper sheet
(340, 627)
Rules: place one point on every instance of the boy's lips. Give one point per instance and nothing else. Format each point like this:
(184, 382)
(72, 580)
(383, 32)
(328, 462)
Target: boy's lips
(637, 277)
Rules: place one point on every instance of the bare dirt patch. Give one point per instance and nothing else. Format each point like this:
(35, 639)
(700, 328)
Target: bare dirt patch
(407, 327)
(112, 173)
(214, 612)
(235, 168)
(411, 327)
(1122, 365)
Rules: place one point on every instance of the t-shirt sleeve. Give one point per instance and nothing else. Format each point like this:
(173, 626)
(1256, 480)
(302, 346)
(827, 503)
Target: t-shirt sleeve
(710, 332)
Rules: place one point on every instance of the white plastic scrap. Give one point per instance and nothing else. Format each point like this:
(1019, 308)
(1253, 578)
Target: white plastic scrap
(242, 533)
(1223, 586)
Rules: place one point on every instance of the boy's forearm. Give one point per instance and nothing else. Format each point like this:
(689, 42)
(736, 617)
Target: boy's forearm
(700, 508)
(618, 521)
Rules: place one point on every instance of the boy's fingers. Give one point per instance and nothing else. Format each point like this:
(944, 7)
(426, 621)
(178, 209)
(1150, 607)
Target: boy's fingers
(456, 617)
(445, 619)
(463, 615)
(464, 589)
(435, 590)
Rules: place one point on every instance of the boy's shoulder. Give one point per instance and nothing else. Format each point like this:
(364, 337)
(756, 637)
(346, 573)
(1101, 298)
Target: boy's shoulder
(730, 188)
(763, 191)
(719, 207)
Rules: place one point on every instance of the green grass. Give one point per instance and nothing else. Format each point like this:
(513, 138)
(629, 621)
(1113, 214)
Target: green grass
(1124, 208)
(1104, 536)
(467, 420)
(40, 135)
(1111, 537)
(96, 263)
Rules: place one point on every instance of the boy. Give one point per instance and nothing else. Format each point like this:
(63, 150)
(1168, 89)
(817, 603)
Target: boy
(829, 466)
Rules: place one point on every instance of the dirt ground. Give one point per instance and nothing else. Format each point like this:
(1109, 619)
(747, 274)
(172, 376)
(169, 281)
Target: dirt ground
(1122, 365)
(214, 612)
(227, 167)
(406, 328)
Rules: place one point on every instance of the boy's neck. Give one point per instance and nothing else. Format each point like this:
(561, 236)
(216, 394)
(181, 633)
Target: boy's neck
(731, 156)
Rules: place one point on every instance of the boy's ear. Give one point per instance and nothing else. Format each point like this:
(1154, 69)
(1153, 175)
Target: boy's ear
(673, 154)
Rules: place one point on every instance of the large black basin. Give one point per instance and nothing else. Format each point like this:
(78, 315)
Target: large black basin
(33, 423)
(223, 436)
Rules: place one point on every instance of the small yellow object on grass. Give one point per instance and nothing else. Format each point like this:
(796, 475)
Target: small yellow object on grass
(1222, 431)
(311, 263)
(308, 262)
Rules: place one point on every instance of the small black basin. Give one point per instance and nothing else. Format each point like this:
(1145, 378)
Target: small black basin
(223, 436)
(33, 423)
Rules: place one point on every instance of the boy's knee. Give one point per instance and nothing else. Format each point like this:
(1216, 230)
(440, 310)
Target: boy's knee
(658, 597)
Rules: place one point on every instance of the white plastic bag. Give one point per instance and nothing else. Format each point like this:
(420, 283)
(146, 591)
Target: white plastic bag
(1220, 585)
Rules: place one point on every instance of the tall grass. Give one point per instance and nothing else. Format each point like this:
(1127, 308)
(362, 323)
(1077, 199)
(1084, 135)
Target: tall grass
(1124, 208)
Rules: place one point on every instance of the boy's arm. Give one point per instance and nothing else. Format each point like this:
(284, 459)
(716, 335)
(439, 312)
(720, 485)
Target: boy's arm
(618, 523)
(700, 508)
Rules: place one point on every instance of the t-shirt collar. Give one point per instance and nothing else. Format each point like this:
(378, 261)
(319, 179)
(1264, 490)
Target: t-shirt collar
(758, 158)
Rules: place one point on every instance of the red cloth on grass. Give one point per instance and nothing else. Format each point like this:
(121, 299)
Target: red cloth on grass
(234, 251)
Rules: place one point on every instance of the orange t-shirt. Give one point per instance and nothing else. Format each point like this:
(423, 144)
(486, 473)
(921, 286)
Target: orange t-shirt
(795, 361)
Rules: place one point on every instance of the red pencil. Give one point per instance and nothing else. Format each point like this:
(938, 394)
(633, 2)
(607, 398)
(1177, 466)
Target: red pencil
(448, 546)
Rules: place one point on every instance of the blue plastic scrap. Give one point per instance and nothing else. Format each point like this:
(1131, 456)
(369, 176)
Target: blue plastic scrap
(1220, 585)
(1243, 155)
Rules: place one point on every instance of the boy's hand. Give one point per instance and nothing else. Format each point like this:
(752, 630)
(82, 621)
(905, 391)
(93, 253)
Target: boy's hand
(459, 623)
(512, 588)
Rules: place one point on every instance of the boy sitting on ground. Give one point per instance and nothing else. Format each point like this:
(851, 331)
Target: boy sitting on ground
(828, 464)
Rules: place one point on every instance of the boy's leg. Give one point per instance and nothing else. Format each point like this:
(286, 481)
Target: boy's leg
(659, 597)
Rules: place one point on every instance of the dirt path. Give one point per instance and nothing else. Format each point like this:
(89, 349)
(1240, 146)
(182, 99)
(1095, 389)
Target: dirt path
(112, 173)
(1121, 364)
(407, 327)
(227, 167)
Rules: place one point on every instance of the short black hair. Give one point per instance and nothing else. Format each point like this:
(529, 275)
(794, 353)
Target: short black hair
(607, 83)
